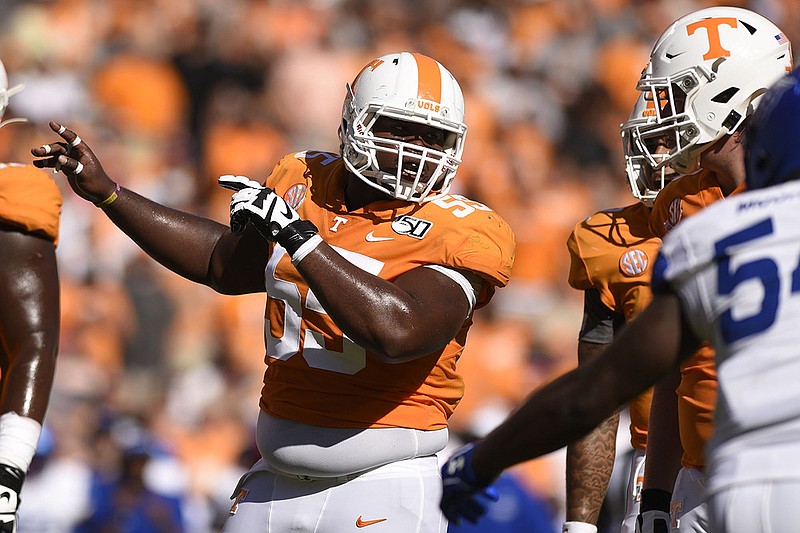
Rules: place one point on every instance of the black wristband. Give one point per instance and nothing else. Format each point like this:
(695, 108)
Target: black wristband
(11, 477)
(295, 234)
(655, 500)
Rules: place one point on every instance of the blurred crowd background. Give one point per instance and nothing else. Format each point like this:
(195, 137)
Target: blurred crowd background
(151, 418)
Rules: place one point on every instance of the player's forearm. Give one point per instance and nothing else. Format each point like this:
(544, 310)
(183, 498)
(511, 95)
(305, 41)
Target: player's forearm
(27, 382)
(590, 461)
(664, 448)
(555, 415)
(180, 241)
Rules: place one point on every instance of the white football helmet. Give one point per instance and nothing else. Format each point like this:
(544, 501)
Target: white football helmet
(644, 180)
(408, 87)
(706, 74)
(5, 94)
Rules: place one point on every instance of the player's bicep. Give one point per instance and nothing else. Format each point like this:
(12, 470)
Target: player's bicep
(443, 294)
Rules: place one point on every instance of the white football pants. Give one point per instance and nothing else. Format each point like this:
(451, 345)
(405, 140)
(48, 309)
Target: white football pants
(688, 509)
(401, 497)
(769, 507)
(633, 492)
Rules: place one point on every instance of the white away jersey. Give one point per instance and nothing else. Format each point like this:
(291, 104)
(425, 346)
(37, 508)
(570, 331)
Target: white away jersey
(736, 269)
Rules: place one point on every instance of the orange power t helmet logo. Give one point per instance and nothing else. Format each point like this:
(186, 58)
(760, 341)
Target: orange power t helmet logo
(715, 48)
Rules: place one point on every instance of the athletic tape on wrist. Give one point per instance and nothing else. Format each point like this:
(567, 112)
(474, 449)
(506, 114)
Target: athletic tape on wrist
(19, 436)
(306, 248)
(578, 527)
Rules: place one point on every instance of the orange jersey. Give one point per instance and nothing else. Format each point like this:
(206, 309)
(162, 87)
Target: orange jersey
(697, 392)
(682, 198)
(29, 200)
(317, 376)
(613, 251)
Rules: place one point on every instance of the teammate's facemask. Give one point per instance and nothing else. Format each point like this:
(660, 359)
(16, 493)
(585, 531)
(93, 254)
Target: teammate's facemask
(412, 88)
(645, 180)
(5, 94)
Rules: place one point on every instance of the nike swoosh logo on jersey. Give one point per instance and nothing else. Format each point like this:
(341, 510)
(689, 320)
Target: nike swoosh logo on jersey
(372, 238)
(364, 523)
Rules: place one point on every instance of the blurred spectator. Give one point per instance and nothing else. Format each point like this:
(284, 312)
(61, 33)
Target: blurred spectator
(197, 88)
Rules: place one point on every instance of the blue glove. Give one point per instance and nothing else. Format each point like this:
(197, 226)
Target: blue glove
(463, 492)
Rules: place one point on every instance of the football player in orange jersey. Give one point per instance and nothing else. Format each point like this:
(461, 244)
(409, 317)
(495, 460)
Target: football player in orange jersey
(611, 255)
(707, 73)
(30, 210)
(372, 272)
(759, 54)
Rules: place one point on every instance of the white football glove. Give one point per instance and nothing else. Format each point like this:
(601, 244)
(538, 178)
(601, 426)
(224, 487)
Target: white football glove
(271, 215)
(652, 522)
(11, 479)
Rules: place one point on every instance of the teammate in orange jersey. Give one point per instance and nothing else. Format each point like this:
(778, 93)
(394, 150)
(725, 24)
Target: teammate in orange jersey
(372, 272)
(611, 255)
(728, 275)
(30, 209)
(699, 109)
(707, 72)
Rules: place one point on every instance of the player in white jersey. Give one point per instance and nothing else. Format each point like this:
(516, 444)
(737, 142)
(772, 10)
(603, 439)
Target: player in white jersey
(731, 276)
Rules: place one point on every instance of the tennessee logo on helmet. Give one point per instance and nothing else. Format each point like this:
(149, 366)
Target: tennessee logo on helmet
(634, 262)
(372, 65)
(711, 25)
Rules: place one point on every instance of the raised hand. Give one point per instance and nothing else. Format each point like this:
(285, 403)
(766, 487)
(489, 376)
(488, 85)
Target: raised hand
(271, 215)
(77, 162)
(464, 496)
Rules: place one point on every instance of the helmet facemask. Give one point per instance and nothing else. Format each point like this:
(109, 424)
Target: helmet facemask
(401, 168)
(7, 92)
(644, 154)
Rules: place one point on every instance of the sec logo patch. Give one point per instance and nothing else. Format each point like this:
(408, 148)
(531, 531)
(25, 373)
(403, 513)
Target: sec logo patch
(634, 262)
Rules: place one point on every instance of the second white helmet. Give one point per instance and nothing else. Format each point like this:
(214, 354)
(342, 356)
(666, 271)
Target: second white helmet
(706, 74)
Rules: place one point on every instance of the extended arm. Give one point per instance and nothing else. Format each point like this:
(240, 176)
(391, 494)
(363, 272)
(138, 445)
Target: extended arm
(415, 315)
(664, 452)
(569, 407)
(196, 248)
(590, 460)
